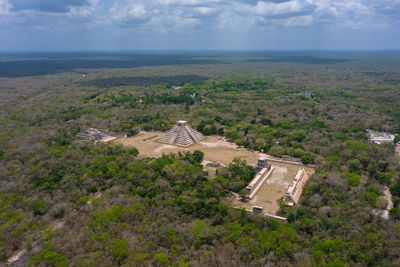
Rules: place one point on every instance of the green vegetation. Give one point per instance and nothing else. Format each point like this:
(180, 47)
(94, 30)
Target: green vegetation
(71, 203)
(353, 179)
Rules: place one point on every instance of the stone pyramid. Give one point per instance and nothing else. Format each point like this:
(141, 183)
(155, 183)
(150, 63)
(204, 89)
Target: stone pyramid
(182, 134)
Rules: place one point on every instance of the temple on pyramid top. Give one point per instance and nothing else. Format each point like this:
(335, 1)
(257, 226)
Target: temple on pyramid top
(182, 134)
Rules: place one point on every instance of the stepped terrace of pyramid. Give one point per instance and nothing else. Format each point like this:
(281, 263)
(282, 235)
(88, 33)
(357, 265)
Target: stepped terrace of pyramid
(182, 134)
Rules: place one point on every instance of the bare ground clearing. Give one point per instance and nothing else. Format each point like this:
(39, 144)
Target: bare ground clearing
(216, 150)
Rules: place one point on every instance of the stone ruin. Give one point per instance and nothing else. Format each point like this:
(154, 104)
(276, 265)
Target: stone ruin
(182, 134)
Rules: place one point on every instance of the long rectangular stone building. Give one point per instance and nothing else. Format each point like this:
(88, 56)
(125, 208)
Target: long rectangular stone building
(296, 187)
(263, 171)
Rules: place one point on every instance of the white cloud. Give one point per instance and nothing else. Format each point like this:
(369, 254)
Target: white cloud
(299, 21)
(131, 12)
(4, 7)
(202, 17)
(190, 2)
(84, 11)
(268, 8)
(324, 9)
(234, 15)
(205, 10)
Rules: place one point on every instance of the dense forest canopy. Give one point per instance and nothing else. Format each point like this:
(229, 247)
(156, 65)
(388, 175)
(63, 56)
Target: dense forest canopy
(64, 202)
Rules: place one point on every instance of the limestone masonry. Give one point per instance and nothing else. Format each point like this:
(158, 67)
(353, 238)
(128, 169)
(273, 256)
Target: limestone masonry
(182, 134)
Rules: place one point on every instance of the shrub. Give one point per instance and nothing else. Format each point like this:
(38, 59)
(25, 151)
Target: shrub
(395, 190)
(132, 132)
(383, 178)
(161, 258)
(198, 155)
(276, 151)
(371, 198)
(354, 165)
(38, 207)
(266, 121)
(306, 158)
(48, 257)
(285, 124)
(119, 249)
(139, 257)
(92, 189)
(133, 151)
(59, 213)
(381, 203)
(353, 179)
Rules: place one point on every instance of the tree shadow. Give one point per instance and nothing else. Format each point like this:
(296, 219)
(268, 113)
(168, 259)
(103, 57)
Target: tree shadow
(28, 65)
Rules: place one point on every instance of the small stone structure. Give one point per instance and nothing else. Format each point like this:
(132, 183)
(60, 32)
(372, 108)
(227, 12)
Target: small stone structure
(293, 194)
(93, 134)
(288, 158)
(307, 94)
(213, 164)
(257, 209)
(397, 149)
(380, 137)
(261, 164)
(182, 134)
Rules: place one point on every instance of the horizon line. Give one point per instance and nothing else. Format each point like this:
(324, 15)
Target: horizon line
(195, 50)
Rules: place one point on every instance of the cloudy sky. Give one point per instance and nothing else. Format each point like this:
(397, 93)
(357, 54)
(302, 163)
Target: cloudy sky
(60, 25)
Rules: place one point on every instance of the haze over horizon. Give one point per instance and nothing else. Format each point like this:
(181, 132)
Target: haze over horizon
(79, 25)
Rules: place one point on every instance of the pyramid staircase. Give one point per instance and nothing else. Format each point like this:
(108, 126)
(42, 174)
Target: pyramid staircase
(182, 134)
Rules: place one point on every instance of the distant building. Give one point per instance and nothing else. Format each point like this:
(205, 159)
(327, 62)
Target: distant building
(93, 134)
(380, 137)
(288, 158)
(296, 187)
(307, 94)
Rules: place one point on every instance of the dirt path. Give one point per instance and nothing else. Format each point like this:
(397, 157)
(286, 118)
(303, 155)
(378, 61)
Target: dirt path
(388, 197)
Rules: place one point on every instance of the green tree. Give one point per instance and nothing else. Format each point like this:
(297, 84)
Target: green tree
(119, 249)
(354, 165)
(161, 258)
(395, 190)
(133, 151)
(132, 132)
(38, 207)
(353, 179)
(198, 156)
(306, 158)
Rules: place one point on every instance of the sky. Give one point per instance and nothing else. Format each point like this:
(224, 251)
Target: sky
(106, 25)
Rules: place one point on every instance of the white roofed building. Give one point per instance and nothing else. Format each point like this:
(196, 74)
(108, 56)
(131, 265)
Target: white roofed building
(380, 137)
